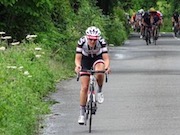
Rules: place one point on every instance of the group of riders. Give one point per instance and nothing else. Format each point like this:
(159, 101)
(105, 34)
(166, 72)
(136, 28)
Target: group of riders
(152, 19)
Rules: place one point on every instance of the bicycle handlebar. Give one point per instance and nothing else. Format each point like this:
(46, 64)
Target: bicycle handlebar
(92, 72)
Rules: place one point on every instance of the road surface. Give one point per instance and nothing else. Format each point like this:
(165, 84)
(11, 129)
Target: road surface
(142, 96)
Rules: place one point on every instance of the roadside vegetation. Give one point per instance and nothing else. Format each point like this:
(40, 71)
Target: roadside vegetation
(31, 68)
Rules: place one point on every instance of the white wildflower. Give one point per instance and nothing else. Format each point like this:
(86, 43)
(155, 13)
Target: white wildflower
(2, 32)
(26, 73)
(21, 67)
(38, 56)
(29, 37)
(12, 67)
(2, 48)
(6, 37)
(38, 48)
(15, 43)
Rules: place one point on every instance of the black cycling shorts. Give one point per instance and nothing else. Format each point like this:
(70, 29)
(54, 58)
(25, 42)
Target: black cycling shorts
(89, 62)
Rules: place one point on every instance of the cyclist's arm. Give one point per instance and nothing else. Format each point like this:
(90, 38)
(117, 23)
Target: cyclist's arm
(143, 22)
(106, 61)
(78, 58)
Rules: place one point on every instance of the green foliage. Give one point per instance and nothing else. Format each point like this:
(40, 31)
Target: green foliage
(117, 29)
(25, 79)
(8, 2)
(89, 15)
(20, 18)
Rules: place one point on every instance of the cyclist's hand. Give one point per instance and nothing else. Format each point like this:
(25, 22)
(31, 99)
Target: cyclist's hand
(108, 70)
(78, 69)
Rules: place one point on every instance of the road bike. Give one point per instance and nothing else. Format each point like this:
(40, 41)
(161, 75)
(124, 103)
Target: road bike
(147, 34)
(91, 104)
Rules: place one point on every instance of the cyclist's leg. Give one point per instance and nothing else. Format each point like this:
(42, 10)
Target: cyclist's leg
(99, 65)
(175, 28)
(83, 97)
(141, 29)
(84, 89)
(84, 80)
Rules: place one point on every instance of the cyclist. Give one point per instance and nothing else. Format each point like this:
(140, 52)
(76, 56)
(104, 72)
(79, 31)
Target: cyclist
(91, 51)
(132, 21)
(136, 20)
(145, 22)
(155, 19)
(161, 20)
(141, 11)
(175, 20)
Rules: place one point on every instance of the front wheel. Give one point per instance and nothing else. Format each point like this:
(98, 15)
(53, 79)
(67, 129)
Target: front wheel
(90, 115)
(155, 35)
(146, 34)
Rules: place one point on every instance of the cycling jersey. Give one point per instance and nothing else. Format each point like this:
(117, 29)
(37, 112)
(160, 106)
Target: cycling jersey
(154, 17)
(138, 17)
(146, 18)
(86, 50)
(91, 55)
(176, 17)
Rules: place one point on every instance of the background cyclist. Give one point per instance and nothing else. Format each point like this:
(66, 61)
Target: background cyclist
(141, 11)
(146, 22)
(161, 20)
(175, 19)
(91, 51)
(154, 18)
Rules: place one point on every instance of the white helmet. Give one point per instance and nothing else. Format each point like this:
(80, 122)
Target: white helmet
(93, 31)
(141, 11)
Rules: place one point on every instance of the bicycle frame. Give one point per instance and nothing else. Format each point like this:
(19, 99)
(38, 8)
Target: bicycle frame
(91, 106)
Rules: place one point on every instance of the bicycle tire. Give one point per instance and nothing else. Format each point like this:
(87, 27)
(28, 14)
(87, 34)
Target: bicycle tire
(90, 116)
(146, 36)
(175, 31)
(86, 113)
(155, 36)
(90, 107)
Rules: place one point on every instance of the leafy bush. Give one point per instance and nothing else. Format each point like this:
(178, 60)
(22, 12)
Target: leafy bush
(26, 77)
(116, 30)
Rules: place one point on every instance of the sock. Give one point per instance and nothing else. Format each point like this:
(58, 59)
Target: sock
(82, 109)
(99, 89)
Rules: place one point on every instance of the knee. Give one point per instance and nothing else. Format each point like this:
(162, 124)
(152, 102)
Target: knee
(84, 89)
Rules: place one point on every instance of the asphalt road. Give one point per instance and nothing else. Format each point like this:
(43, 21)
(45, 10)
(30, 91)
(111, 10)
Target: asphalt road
(142, 96)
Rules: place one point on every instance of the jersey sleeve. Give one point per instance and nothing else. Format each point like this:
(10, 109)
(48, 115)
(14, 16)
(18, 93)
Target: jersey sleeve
(81, 41)
(103, 45)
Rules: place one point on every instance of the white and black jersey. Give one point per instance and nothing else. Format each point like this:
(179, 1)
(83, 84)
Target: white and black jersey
(90, 56)
(86, 50)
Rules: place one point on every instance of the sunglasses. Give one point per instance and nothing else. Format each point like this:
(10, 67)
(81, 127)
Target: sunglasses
(92, 39)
